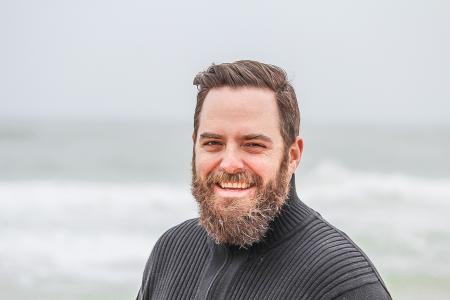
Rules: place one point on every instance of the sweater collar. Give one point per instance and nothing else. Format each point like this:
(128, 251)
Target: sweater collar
(291, 215)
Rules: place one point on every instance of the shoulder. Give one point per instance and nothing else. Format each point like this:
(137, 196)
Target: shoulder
(336, 264)
(339, 242)
(328, 241)
(187, 234)
(371, 291)
(173, 244)
(171, 253)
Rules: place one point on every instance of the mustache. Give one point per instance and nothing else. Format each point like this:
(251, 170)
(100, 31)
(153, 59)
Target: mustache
(220, 176)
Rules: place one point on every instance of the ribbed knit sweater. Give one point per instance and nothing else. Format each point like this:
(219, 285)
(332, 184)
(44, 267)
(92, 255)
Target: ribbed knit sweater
(301, 257)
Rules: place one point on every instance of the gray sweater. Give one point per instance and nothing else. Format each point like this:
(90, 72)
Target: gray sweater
(301, 257)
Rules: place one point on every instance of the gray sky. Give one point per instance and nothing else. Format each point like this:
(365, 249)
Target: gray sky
(349, 60)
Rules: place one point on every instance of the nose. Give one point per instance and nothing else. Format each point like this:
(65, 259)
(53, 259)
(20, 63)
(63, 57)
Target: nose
(231, 161)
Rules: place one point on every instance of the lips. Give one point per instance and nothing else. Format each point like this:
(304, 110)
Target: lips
(229, 189)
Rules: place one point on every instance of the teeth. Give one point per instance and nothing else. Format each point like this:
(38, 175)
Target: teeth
(234, 185)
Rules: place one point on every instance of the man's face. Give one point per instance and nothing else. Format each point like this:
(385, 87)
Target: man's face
(240, 166)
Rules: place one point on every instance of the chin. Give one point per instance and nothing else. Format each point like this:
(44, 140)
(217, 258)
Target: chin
(233, 205)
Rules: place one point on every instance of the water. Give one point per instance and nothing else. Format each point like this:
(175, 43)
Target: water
(82, 203)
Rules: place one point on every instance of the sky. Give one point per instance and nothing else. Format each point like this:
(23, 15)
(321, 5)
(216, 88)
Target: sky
(350, 61)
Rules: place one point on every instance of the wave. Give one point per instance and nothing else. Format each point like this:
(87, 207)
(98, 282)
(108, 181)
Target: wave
(105, 231)
(93, 231)
(400, 220)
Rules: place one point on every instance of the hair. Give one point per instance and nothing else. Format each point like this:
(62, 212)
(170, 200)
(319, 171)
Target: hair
(249, 73)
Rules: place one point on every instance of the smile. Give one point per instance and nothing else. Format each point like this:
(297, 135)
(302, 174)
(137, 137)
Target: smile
(234, 189)
(234, 185)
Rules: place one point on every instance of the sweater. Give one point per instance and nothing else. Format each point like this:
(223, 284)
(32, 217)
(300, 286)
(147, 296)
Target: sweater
(301, 257)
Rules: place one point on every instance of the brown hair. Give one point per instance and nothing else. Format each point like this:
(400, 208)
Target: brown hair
(255, 74)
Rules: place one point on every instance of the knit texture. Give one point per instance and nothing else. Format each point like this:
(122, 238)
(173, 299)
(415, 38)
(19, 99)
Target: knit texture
(302, 257)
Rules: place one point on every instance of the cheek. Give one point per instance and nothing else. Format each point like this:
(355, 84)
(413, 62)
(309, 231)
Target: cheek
(266, 168)
(204, 164)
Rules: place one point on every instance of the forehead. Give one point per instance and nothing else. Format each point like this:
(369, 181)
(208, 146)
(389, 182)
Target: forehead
(244, 110)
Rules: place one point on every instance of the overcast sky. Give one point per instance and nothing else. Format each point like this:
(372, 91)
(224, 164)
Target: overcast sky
(384, 60)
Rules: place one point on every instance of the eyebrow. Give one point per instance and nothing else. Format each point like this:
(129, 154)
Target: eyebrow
(209, 135)
(252, 136)
(256, 136)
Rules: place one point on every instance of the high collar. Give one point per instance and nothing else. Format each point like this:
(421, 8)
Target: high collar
(291, 216)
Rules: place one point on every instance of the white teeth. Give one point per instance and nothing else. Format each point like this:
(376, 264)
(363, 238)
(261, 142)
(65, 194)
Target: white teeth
(234, 185)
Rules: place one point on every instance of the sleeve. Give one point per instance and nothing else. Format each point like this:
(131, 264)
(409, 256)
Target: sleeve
(151, 268)
(145, 279)
(372, 291)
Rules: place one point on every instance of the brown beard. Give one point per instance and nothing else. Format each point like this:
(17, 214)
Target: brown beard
(230, 224)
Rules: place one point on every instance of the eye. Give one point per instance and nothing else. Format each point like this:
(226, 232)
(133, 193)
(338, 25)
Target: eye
(212, 143)
(255, 145)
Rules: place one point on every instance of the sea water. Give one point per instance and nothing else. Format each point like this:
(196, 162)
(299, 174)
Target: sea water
(83, 202)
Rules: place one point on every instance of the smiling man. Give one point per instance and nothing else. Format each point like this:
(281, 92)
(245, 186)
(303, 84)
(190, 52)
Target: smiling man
(254, 238)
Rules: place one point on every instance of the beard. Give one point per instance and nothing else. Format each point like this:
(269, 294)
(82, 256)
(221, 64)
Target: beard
(228, 220)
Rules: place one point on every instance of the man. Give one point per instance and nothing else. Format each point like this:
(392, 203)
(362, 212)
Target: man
(254, 238)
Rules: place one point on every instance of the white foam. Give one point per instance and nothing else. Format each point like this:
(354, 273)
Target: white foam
(86, 230)
(105, 231)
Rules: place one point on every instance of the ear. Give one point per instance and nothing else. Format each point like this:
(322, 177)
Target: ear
(295, 154)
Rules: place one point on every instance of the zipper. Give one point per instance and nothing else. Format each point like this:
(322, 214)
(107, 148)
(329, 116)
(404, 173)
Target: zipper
(216, 279)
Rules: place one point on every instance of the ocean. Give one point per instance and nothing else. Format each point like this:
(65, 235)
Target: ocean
(83, 202)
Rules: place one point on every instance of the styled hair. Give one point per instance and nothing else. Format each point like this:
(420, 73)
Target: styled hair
(249, 73)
